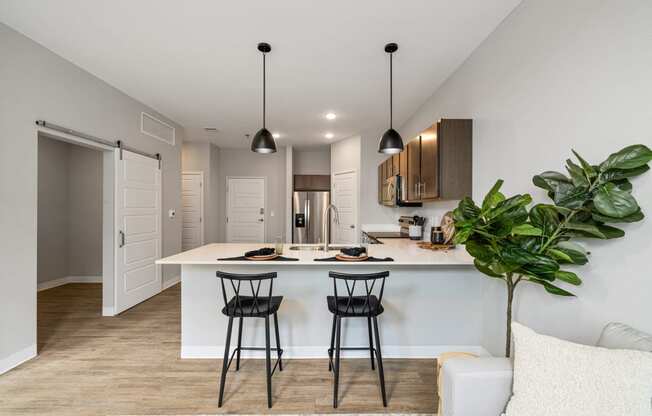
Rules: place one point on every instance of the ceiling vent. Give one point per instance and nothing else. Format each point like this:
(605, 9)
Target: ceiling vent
(156, 128)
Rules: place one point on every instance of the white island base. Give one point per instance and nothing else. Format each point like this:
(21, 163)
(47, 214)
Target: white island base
(432, 301)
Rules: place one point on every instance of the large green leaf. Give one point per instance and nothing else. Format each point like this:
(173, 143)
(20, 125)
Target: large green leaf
(559, 255)
(484, 268)
(550, 288)
(568, 277)
(577, 174)
(467, 209)
(584, 228)
(514, 203)
(493, 197)
(482, 252)
(462, 234)
(571, 197)
(545, 217)
(637, 216)
(616, 174)
(630, 157)
(612, 201)
(544, 267)
(526, 229)
(610, 232)
(589, 170)
(550, 180)
(576, 252)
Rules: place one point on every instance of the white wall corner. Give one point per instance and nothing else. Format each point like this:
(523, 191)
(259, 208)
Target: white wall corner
(17, 358)
(168, 283)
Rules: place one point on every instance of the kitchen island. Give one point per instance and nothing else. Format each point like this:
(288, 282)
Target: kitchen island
(432, 300)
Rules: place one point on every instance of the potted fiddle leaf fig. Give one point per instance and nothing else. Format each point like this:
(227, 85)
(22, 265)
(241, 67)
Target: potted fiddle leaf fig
(514, 243)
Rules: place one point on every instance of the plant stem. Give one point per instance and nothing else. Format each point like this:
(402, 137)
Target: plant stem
(511, 286)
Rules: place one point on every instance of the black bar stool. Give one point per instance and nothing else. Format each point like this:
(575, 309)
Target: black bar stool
(250, 306)
(367, 306)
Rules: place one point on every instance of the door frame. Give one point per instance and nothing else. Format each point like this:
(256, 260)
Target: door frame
(202, 219)
(108, 210)
(266, 215)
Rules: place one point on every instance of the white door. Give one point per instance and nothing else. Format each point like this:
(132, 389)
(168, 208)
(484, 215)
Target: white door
(344, 197)
(192, 202)
(138, 229)
(245, 210)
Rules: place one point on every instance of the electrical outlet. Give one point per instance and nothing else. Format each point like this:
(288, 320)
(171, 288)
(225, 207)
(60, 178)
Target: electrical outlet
(172, 213)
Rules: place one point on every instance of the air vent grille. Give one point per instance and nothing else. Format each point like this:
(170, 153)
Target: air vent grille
(156, 128)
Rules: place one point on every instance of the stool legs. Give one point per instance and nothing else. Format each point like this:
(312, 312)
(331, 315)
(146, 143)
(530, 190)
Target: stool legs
(336, 369)
(278, 344)
(225, 362)
(379, 357)
(237, 358)
(330, 351)
(268, 364)
(371, 343)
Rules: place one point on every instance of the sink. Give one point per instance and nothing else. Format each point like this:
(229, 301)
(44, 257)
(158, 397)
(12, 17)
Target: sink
(320, 247)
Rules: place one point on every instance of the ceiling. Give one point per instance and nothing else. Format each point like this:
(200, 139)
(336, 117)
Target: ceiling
(196, 61)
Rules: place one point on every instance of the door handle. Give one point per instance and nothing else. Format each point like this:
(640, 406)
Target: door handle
(351, 226)
(122, 239)
(261, 219)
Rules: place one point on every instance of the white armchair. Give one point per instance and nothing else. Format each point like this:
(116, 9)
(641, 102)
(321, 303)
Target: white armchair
(482, 386)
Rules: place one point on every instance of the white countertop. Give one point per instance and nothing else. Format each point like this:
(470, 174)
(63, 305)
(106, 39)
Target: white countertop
(405, 252)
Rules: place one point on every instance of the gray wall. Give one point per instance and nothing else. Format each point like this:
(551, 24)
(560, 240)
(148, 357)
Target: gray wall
(204, 156)
(314, 161)
(243, 162)
(37, 84)
(53, 208)
(558, 75)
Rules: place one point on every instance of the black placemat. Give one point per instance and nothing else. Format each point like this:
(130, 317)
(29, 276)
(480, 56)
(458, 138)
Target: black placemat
(240, 258)
(370, 259)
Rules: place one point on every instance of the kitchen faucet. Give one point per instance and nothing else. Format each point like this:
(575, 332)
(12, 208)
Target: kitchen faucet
(325, 221)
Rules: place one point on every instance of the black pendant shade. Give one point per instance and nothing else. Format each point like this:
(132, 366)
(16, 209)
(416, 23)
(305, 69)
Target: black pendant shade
(263, 141)
(391, 142)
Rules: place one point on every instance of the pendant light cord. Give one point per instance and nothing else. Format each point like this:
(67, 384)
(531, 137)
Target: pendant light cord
(391, 91)
(264, 89)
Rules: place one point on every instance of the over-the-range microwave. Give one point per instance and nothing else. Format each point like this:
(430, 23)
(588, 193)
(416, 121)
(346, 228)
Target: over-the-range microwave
(394, 194)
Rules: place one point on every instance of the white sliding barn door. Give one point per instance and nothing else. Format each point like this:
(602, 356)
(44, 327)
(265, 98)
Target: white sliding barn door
(192, 199)
(245, 210)
(344, 197)
(137, 228)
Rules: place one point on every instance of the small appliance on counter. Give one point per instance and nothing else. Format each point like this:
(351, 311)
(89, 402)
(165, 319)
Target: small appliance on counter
(413, 225)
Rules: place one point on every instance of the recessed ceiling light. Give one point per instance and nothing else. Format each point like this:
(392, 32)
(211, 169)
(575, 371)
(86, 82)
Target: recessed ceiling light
(276, 135)
(329, 135)
(331, 116)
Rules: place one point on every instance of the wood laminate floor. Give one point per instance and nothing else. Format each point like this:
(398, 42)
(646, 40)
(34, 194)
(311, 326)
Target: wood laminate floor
(129, 364)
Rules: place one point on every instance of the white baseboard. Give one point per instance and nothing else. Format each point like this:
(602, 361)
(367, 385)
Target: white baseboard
(17, 358)
(108, 311)
(68, 279)
(389, 351)
(171, 282)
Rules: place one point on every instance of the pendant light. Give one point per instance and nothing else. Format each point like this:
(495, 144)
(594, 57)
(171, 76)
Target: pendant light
(391, 142)
(263, 141)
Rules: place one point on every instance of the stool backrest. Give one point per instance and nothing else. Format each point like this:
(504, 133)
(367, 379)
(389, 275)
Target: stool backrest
(245, 285)
(366, 284)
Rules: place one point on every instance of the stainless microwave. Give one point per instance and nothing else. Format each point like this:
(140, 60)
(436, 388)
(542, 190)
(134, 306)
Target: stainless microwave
(394, 193)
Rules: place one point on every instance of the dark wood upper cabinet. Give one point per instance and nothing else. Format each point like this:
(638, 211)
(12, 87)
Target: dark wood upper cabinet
(428, 187)
(312, 182)
(413, 178)
(436, 165)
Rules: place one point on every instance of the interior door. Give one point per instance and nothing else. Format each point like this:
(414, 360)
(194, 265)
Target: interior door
(138, 229)
(192, 200)
(245, 221)
(345, 190)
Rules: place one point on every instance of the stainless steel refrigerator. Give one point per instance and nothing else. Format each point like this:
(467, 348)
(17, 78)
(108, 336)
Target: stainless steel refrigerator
(307, 216)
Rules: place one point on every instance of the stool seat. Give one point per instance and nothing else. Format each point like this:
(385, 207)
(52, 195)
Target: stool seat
(354, 306)
(252, 307)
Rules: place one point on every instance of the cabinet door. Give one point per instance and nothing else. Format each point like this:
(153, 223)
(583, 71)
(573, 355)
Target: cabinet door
(403, 164)
(395, 164)
(429, 186)
(414, 169)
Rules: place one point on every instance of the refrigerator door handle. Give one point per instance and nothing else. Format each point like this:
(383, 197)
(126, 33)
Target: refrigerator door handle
(306, 209)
